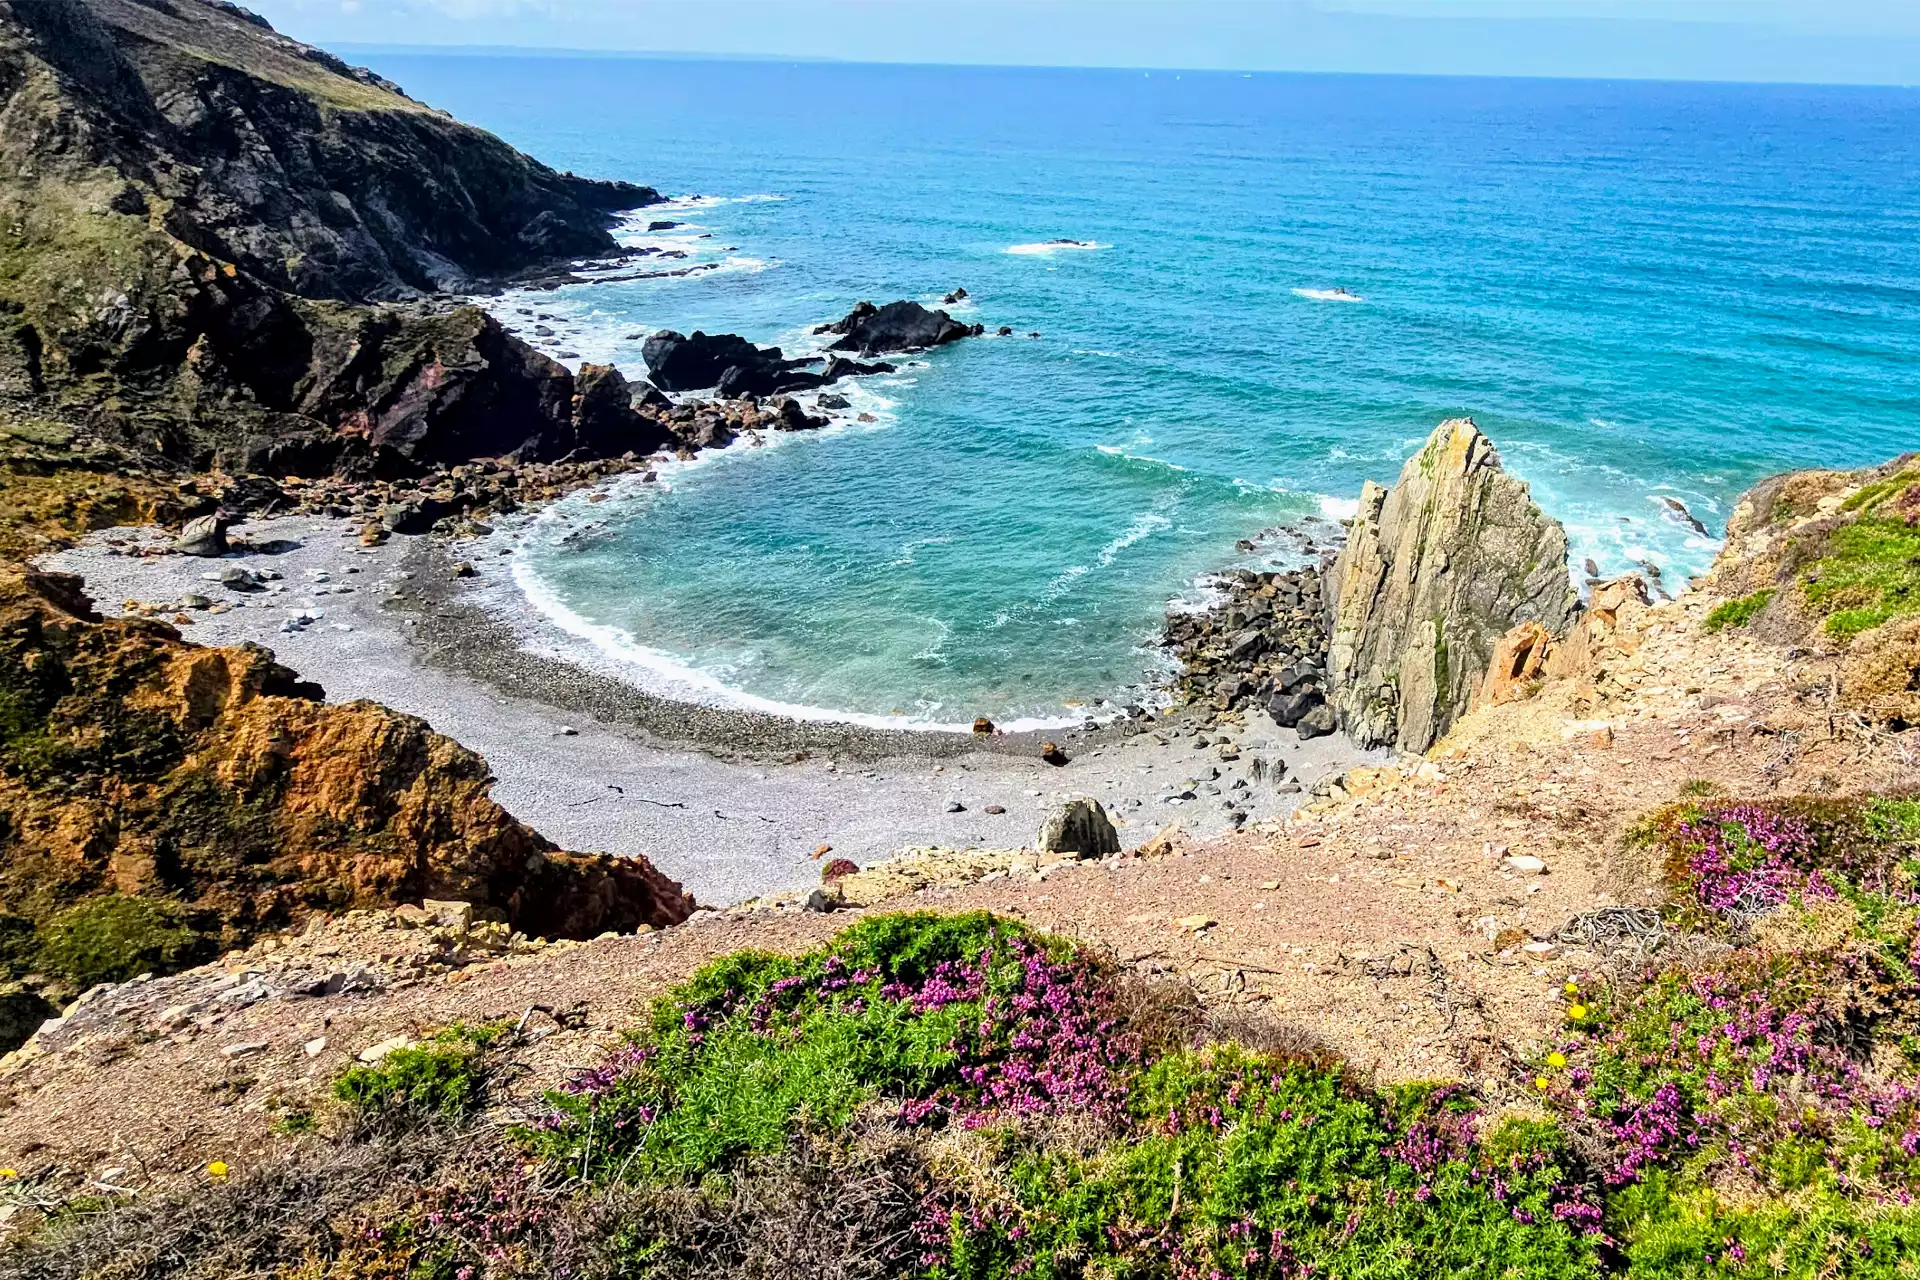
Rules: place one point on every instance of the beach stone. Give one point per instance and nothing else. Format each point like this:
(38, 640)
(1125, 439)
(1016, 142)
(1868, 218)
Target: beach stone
(1525, 864)
(982, 726)
(1079, 828)
(1317, 723)
(1052, 754)
(996, 808)
(203, 536)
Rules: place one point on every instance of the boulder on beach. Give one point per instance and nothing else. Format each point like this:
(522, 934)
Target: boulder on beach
(203, 536)
(898, 326)
(1080, 828)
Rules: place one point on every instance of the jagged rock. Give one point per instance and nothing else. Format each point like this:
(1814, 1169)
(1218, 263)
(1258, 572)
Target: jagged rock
(605, 421)
(203, 536)
(1434, 572)
(723, 361)
(1081, 829)
(898, 326)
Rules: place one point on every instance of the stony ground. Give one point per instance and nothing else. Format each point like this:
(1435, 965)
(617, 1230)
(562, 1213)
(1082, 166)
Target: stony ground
(1388, 918)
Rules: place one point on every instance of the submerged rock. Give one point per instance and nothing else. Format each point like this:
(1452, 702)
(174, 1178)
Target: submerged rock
(1435, 571)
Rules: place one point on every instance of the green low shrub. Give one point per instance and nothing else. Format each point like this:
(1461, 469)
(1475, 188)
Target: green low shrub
(443, 1079)
(1738, 613)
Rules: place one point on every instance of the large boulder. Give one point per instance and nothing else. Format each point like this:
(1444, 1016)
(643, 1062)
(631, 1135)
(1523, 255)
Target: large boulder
(203, 536)
(1080, 828)
(723, 362)
(898, 326)
(1435, 571)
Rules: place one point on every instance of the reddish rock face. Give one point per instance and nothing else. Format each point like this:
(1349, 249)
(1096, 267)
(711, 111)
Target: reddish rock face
(134, 762)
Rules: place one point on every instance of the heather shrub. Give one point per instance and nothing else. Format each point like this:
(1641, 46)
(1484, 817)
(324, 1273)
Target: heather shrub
(1061, 1138)
(962, 1018)
(1240, 1164)
(1761, 1111)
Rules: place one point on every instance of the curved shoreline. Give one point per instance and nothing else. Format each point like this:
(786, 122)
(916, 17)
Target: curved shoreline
(733, 804)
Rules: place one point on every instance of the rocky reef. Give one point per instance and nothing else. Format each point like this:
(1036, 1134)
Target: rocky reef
(1434, 572)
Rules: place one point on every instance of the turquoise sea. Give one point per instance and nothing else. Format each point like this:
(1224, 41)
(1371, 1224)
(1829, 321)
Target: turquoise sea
(1638, 289)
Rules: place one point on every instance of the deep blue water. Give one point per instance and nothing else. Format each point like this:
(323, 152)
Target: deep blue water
(1637, 289)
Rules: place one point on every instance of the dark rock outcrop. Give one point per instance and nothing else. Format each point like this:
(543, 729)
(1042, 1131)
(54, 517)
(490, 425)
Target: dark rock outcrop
(1434, 572)
(898, 326)
(724, 362)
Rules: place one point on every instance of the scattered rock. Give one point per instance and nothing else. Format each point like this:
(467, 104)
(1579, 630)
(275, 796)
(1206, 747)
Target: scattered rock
(378, 1052)
(1524, 864)
(982, 726)
(1052, 754)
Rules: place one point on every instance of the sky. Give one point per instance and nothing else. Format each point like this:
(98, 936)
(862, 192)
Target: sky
(1818, 41)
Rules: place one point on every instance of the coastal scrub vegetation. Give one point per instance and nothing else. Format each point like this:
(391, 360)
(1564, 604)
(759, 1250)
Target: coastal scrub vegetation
(1868, 569)
(1738, 613)
(961, 1098)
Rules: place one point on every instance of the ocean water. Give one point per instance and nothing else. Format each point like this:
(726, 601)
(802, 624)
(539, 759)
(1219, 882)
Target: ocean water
(1639, 290)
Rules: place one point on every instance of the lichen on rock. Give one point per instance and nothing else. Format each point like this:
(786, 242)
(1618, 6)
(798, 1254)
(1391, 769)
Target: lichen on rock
(214, 782)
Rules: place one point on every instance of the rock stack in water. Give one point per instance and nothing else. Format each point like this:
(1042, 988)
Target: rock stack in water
(1263, 644)
(1435, 571)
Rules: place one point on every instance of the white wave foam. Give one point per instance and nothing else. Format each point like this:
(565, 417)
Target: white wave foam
(1120, 451)
(1339, 508)
(1328, 295)
(1051, 247)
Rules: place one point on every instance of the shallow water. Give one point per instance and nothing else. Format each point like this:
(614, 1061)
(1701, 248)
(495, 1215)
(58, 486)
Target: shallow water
(1637, 289)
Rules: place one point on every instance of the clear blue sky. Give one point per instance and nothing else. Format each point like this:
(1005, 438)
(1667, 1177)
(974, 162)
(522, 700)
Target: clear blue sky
(1824, 41)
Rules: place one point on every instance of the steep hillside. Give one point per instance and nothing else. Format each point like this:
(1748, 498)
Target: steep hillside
(197, 212)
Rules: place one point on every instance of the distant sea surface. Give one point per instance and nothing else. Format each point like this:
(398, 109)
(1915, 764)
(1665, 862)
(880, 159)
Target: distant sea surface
(1638, 290)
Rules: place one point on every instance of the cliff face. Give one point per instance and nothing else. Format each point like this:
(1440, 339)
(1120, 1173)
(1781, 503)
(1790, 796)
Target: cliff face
(215, 788)
(1435, 571)
(196, 211)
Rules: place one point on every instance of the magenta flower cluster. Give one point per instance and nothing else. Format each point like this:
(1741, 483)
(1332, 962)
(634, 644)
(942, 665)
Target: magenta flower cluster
(1748, 858)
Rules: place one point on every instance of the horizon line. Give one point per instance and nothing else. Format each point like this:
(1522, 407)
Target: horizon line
(567, 52)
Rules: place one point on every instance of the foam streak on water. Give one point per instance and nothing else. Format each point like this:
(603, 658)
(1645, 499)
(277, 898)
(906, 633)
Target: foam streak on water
(1638, 290)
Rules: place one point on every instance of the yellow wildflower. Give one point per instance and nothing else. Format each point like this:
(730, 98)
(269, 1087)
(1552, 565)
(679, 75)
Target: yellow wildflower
(217, 1170)
(1556, 1060)
(1577, 1012)
(1541, 1082)
(1573, 988)
(9, 1173)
